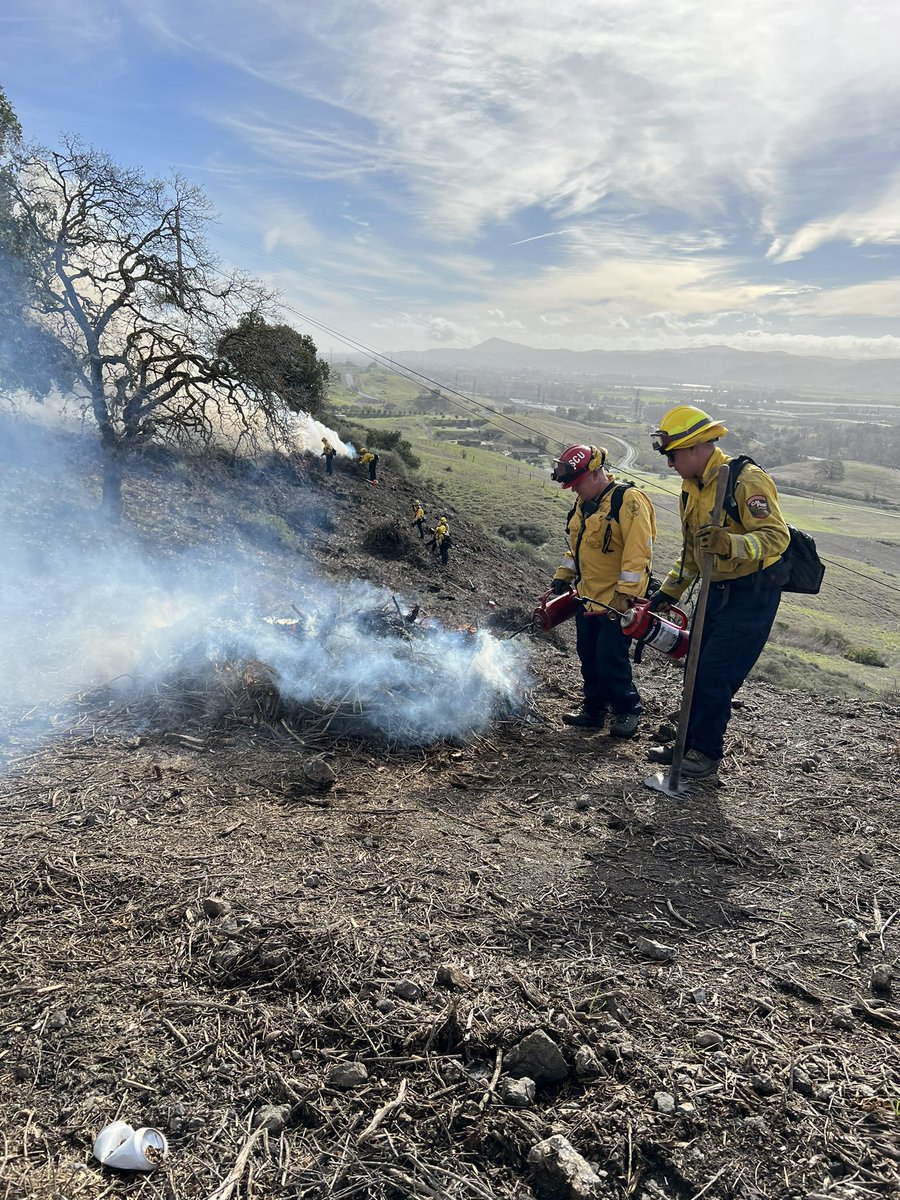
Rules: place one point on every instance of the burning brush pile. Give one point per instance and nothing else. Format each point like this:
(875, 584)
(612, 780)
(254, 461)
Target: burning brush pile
(352, 662)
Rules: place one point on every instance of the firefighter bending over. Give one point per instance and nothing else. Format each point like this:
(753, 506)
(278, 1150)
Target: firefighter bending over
(610, 533)
(368, 458)
(419, 519)
(747, 577)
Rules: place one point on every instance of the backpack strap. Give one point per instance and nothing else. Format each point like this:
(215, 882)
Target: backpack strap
(735, 467)
(614, 514)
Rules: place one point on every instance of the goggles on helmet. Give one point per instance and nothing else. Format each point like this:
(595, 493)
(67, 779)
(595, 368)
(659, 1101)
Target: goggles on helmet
(662, 440)
(575, 462)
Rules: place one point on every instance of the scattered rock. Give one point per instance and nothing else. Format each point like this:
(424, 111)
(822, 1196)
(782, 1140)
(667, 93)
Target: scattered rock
(698, 995)
(709, 1039)
(318, 774)
(517, 1093)
(347, 1076)
(842, 1017)
(655, 950)
(273, 1117)
(664, 1101)
(385, 1006)
(215, 906)
(866, 859)
(538, 1057)
(583, 802)
(587, 1062)
(406, 989)
(666, 732)
(561, 1173)
(58, 1019)
(763, 1085)
(686, 1109)
(451, 976)
(882, 977)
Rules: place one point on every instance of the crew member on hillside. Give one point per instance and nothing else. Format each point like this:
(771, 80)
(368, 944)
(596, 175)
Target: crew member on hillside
(442, 540)
(610, 533)
(419, 519)
(368, 458)
(748, 573)
(328, 453)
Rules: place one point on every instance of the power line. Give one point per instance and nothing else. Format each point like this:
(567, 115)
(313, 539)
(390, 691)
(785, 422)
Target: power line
(413, 375)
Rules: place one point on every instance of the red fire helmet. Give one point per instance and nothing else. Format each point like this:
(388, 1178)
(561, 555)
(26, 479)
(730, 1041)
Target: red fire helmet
(577, 461)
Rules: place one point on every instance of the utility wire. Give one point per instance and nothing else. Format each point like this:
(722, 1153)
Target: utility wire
(413, 375)
(416, 376)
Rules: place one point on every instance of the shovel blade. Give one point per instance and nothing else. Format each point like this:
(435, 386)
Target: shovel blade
(660, 783)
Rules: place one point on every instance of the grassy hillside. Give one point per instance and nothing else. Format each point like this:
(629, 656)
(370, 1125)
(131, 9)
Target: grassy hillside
(862, 481)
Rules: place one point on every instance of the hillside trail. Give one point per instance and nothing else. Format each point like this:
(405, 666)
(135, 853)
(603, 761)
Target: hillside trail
(315, 962)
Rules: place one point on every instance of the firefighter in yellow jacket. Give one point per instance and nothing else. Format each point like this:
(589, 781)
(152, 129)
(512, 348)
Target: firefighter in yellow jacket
(368, 458)
(610, 533)
(747, 577)
(441, 541)
(419, 518)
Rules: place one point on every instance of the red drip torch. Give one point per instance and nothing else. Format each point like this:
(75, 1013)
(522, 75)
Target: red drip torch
(553, 609)
(669, 637)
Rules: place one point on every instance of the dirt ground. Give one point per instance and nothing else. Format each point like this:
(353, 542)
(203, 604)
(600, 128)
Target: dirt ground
(320, 986)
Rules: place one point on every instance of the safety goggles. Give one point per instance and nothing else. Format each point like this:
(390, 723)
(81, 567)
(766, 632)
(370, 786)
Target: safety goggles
(659, 439)
(564, 472)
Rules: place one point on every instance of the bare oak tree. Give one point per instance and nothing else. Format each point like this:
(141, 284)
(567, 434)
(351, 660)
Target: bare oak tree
(122, 278)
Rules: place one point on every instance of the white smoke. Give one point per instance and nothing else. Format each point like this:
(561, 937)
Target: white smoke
(83, 604)
(308, 434)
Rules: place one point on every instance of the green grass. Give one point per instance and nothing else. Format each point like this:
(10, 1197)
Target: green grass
(862, 481)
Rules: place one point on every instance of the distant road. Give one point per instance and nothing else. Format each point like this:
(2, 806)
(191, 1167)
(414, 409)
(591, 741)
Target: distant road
(629, 452)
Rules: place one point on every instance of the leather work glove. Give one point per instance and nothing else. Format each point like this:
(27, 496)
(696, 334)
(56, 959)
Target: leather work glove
(559, 586)
(713, 539)
(660, 602)
(621, 602)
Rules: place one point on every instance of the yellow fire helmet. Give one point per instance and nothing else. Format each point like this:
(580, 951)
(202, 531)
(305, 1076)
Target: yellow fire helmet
(685, 426)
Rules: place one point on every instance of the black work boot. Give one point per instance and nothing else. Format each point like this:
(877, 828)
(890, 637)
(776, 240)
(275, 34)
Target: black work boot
(585, 719)
(624, 725)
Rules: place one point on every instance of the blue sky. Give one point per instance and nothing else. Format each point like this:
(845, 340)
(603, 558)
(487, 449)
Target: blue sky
(614, 174)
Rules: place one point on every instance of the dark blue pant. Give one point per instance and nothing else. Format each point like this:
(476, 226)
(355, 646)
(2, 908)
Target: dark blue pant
(739, 618)
(605, 665)
(329, 469)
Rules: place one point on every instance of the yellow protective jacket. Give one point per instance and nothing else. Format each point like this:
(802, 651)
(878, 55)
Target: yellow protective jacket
(327, 449)
(420, 514)
(442, 530)
(758, 540)
(366, 458)
(607, 555)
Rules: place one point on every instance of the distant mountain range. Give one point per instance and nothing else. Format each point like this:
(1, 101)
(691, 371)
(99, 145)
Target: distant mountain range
(715, 365)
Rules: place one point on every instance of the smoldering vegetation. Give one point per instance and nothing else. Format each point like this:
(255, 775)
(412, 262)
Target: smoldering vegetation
(205, 602)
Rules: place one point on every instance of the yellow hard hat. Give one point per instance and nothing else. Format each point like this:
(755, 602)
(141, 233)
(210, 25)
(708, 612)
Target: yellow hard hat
(685, 426)
(417, 503)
